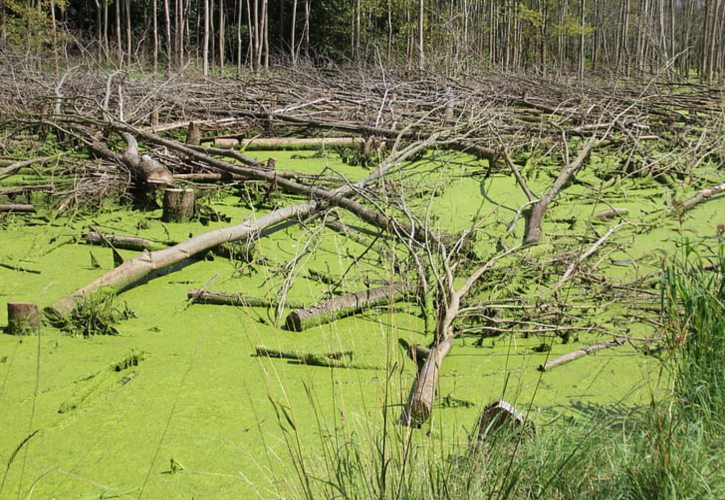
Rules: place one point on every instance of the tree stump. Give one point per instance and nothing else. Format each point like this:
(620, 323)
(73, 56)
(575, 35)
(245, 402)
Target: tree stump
(501, 415)
(23, 318)
(154, 118)
(178, 205)
(193, 134)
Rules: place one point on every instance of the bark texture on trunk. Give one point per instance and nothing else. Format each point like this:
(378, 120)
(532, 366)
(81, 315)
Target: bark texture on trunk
(571, 356)
(178, 205)
(23, 318)
(534, 229)
(343, 306)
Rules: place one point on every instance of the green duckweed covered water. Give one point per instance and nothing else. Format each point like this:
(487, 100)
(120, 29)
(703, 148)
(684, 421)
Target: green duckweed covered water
(199, 400)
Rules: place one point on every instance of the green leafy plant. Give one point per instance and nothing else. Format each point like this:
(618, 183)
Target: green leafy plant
(95, 314)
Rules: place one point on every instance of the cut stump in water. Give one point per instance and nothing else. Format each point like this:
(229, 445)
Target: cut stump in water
(178, 205)
(23, 318)
(501, 415)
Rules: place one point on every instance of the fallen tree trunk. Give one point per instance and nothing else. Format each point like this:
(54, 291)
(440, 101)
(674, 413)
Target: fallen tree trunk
(146, 170)
(701, 196)
(336, 197)
(459, 145)
(135, 271)
(534, 231)
(571, 356)
(11, 169)
(17, 207)
(295, 143)
(420, 399)
(261, 350)
(27, 189)
(236, 299)
(343, 306)
(124, 242)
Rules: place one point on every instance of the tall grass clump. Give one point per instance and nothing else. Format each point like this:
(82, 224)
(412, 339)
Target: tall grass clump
(669, 448)
(93, 314)
(694, 309)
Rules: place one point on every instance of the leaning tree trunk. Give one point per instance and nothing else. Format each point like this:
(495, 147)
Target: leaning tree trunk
(534, 229)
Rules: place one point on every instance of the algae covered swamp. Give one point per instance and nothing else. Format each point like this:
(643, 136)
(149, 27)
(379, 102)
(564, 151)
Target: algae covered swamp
(360, 255)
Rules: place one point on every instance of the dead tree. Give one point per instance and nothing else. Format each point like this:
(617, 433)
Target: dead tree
(134, 271)
(535, 220)
(420, 399)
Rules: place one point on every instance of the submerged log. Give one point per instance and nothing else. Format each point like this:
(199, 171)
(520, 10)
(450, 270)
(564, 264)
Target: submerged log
(571, 356)
(701, 196)
(611, 213)
(305, 357)
(23, 318)
(343, 306)
(16, 207)
(178, 205)
(124, 242)
(236, 299)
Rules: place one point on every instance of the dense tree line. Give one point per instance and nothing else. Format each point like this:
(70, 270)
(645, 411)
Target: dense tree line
(622, 37)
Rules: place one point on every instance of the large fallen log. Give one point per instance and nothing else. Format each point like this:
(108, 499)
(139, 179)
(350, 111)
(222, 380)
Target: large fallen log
(135, 271)
(462, 145)
(701, 196)
(536, 217)
(343, 306)
(27, 189)
(296, 143)
(11, 169)
(146, 170)
(571, 356)
(236, 299)
(373, 217)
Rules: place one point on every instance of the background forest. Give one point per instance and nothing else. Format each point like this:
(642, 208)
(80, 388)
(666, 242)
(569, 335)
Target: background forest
(676, 38)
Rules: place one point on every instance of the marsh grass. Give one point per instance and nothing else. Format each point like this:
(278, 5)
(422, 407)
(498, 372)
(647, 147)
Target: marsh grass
(97, 313)
(670, 448)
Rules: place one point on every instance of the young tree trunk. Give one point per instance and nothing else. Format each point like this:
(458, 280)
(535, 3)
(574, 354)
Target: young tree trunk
(421, 22)
(129, 39)
(155, 22)
(167, 21)
(206, 39)
(221, 37)
(293, 33)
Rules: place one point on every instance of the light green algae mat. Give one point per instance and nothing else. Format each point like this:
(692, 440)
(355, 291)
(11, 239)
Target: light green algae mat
(178, 406)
